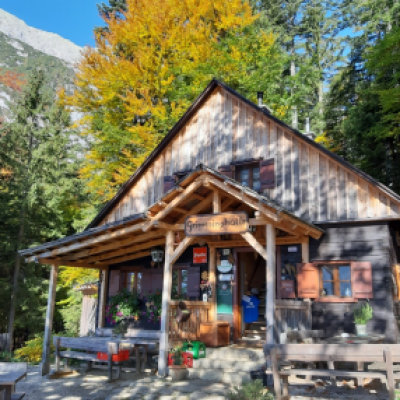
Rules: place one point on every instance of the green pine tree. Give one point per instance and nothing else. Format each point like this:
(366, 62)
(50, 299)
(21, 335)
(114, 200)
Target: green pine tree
(39, 194)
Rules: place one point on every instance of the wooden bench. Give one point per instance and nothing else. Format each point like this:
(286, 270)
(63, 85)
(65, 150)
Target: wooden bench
(17, 372)
(330, 353)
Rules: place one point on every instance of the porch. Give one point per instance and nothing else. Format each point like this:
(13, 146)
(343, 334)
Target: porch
(205, 192)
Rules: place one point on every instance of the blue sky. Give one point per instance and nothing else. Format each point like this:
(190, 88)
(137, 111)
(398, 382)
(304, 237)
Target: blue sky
(71, 19)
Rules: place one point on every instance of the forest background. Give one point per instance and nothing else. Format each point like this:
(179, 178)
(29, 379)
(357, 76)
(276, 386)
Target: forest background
(333, 61)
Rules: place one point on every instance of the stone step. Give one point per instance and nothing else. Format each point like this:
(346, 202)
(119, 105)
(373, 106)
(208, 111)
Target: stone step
(228, 365)
(234, 353)
(219, 375)
(251, 343)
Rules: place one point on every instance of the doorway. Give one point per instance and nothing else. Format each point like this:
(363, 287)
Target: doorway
(250, 286)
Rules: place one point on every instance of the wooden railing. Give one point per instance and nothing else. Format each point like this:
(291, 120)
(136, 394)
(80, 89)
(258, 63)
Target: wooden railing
(291, 315)
(200, 312)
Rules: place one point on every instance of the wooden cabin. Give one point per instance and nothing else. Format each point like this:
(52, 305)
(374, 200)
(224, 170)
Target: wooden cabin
(238, 201)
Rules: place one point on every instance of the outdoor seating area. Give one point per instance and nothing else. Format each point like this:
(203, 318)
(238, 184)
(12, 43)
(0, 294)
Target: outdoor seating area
(322, 360)
(108, 350)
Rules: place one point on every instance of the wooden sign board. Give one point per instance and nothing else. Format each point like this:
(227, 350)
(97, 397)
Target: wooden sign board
(217, 224)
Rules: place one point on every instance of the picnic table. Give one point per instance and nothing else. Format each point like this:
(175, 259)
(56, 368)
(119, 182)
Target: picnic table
(10, 374)
(108, 345)
(354, 339)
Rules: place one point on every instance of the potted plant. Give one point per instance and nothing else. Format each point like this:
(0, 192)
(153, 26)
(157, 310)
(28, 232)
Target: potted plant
(153, 306)
(122, 307)
(361, 316)
(178, 370)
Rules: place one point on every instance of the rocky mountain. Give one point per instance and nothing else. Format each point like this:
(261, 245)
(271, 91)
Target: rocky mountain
(46, 42)
(23, 49)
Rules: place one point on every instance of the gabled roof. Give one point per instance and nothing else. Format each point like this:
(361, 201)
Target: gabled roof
(133, 237)
(186, 117)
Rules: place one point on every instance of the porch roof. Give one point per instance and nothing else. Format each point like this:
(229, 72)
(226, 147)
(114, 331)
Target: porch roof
(133, 237)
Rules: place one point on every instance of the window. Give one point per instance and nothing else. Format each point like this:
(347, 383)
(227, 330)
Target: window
(339, 281)
(335, 280)
(249, 175)
(179, 282)
(132, 281)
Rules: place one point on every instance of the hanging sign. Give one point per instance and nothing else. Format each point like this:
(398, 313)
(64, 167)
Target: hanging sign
(217, 224)
(199, 255)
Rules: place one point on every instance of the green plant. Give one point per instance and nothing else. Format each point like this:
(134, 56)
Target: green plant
(32, 351)
(177, 358)
(251, 391)
(153, 306)
(121, 328)
(363, 314)
(6, 356)
(122, 306)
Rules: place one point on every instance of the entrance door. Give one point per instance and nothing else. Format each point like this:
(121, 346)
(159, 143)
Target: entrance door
(250, 277)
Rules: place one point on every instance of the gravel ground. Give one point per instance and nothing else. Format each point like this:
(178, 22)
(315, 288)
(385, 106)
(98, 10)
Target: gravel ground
(145, 386)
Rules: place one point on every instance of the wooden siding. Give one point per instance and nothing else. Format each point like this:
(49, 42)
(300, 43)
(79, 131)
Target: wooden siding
(225, 129)
(357, 242)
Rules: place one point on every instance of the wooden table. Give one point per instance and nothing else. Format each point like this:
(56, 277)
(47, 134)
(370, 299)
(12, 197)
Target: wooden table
(8, 381)
(103, 344)
(353, 339)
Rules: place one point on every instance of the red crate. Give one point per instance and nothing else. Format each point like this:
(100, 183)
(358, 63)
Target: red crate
(187, 359)
(123, 355)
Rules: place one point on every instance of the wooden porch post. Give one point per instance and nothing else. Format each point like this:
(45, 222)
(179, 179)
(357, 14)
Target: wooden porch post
(305, 253)
(103, 299)
(45, 364)
(166, 298)
(270, 283)
(212, 278)
(212, 262)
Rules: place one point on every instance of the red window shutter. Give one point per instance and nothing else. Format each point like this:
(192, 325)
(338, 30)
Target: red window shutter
(146, 284)
(227, 170)
(308, 281)
(169, 183)
(114, 282)
(361, 274)
(193, 282)
(267, 174)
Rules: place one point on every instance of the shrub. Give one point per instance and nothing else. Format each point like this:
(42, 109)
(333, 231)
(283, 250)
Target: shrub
(6, 356)
(32, 351)
(251, 391)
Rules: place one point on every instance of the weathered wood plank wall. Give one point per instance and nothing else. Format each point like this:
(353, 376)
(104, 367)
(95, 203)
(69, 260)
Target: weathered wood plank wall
(225, 129)
(362, 242)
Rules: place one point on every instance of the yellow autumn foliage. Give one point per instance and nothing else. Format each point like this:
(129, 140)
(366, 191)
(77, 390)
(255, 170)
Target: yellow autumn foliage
(133, 86)
(32, 351)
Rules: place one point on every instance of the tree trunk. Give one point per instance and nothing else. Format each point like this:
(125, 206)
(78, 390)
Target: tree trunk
(17, 267)
(295, 118)
(20, 238)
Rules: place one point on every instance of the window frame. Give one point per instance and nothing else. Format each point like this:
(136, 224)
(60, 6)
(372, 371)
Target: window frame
(336, 282)
(180, 268)
(250, 165)
(124, 279)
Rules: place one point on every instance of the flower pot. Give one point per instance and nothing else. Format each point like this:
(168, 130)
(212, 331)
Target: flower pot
(178, 372)
(361, 329)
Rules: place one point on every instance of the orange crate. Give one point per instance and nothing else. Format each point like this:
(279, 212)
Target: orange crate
(123, 355)
(187, 359)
